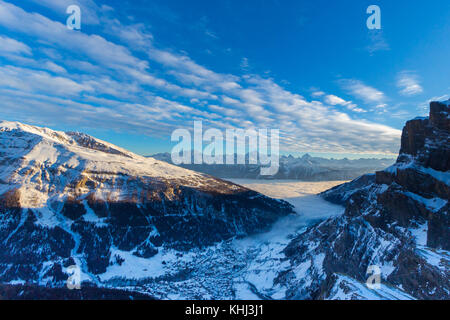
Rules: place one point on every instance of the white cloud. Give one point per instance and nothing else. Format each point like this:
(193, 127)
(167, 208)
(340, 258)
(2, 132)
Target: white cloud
(408, 84)
(244, 64)
(377, 42)
(314, 126)
(362, 91)
(11, 46)
(317, 94)
(51, 66)
(136, 35)
(39, 82)
(92, 46)
(335, 100)
(222, 110)
(89, 9)
(99, 50)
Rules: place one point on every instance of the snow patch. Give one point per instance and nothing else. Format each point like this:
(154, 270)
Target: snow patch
(347, 288)
(133, 267)
(434, 204)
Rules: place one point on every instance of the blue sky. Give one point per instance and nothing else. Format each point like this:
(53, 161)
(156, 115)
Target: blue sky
(139, 69)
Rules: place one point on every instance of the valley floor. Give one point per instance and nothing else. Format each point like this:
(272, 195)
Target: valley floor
(302, 195)
(239, 269)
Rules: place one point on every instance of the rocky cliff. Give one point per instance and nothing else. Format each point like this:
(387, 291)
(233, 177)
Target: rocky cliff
(397, 220)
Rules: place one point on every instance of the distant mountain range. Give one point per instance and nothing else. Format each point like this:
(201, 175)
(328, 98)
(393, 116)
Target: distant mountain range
(306, 168)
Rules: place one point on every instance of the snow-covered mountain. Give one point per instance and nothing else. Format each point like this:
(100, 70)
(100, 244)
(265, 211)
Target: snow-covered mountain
(306, 168)
(70, 199)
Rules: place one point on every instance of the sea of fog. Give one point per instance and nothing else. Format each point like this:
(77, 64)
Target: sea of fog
(309, 206)
(302, 195)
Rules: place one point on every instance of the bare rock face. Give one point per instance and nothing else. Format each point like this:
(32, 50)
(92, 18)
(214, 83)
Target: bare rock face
(70, 199)
(427, 140)
(439, 115)
(397, 220)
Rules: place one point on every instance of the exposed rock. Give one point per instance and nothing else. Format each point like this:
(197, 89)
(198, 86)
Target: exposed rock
(428, 140)
(340, 194)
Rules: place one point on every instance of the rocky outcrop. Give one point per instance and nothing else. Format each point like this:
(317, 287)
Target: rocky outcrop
(340, 194)
(397, 221)
(427, 140)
